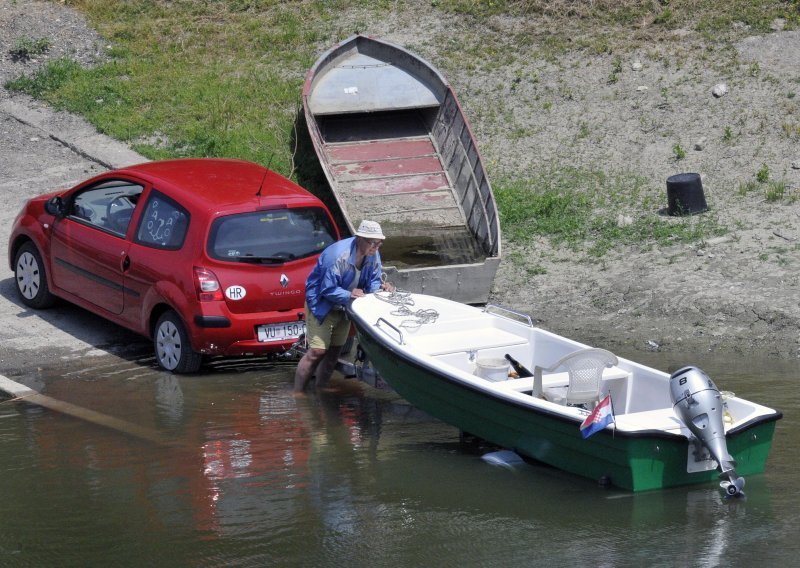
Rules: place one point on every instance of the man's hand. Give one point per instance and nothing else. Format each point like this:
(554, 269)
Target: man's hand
(357, 293)
(388, 286)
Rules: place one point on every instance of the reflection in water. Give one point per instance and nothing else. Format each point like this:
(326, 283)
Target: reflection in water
(169, 399)
(257, 477)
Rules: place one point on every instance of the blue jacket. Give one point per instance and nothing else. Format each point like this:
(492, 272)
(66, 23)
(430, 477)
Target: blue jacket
(327, 285)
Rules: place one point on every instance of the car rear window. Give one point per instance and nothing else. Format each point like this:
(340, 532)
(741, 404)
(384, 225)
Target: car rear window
(271, 237)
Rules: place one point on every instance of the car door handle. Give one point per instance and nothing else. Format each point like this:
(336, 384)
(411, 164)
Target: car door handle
(126, 263)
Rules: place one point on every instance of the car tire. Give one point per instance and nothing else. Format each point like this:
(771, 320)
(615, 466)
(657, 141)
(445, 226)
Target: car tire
(172, 346)
(31, 278)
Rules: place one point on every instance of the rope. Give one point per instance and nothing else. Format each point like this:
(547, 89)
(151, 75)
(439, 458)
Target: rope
(403, 301)
(18, 398)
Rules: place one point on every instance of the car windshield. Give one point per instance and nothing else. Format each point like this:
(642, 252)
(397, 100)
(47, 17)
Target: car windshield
(271, 237)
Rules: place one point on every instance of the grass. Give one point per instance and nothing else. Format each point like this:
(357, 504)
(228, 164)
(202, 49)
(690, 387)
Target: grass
(604, 26)
(727, 135)
(773, 190)
(580, 209)
(203, 78)
(27, 47)
(210, 78)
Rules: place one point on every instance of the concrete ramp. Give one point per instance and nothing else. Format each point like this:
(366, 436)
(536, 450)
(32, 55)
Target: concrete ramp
(25, 394)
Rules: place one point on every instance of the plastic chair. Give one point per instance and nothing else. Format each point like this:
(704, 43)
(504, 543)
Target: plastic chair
(585, 369)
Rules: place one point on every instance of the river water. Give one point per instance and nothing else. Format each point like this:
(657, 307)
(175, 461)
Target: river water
(250, 476)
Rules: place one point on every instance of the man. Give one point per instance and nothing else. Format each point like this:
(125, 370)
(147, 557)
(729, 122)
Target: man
(347, 269)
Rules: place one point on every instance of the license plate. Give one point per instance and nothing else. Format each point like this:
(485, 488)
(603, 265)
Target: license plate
(281, 331)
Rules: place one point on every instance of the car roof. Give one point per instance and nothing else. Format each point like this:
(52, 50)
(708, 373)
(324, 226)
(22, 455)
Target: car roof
(219, 183)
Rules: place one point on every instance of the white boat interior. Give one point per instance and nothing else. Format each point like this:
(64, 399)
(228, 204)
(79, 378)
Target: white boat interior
(457, 338)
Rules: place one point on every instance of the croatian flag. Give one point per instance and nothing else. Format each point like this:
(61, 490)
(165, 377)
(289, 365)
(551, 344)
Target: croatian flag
(601, 416)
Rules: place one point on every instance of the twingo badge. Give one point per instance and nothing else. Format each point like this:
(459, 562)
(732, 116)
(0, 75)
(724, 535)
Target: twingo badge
(235, 292)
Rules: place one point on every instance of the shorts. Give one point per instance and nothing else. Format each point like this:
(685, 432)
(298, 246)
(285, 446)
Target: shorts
(332, 332)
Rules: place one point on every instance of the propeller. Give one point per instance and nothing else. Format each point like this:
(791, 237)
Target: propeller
(733, 487)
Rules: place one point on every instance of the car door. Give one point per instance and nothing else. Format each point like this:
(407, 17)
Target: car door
(89, 248)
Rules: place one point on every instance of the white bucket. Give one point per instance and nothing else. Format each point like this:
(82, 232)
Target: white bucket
(492, 369)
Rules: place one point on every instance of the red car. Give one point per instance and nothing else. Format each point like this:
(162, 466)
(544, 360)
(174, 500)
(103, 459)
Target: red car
(204, 256)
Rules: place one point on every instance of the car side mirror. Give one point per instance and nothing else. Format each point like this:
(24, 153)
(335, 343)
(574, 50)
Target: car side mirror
(55, 206)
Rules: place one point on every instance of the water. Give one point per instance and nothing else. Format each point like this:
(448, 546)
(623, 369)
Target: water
(258, 478)
(415, 248)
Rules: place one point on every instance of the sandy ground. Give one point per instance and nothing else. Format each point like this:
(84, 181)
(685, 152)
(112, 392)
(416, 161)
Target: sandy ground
(739, 292)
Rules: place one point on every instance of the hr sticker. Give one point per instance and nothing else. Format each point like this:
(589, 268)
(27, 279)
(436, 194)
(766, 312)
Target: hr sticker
(235, 292)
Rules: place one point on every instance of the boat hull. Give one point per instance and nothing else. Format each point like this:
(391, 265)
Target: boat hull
(395, 147)
(636, 462)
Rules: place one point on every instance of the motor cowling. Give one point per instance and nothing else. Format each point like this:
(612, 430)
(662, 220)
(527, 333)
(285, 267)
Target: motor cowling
(698, 403)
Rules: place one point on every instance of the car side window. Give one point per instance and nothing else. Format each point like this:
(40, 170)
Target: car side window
(108, 206)
(163, 224)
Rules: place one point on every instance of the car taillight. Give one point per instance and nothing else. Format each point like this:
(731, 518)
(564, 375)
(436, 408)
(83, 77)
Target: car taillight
(207, 285)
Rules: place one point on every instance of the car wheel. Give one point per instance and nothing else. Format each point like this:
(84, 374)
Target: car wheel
(31, 278)
(172, 346)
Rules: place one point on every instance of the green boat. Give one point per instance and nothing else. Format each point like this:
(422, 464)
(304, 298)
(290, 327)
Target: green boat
(469, 367)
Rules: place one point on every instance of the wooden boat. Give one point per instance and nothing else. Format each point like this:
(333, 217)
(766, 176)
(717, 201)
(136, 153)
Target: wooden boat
(396, 147)
(661, 436)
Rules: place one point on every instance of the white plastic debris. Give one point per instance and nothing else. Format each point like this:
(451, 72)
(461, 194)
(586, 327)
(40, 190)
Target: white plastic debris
(720, 90)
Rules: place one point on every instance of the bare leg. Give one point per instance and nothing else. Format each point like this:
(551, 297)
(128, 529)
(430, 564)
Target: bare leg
(306, 367)
(327, 365)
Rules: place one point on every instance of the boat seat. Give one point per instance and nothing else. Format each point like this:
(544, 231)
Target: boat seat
(658, 419)
(585, 369)
(475, 339)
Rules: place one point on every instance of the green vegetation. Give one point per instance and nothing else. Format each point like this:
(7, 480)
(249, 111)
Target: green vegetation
(727, 136)
(678, 152)
(791, 130)
(610, 16)
(581, 209)
(54, 76)
(773, 190)
(616, 69)
(583, 130)
(207, 78)
(747, 187)
(210, 78)
(27, 47)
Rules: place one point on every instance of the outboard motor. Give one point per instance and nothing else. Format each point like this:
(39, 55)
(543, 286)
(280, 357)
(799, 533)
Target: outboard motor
(698, 403)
